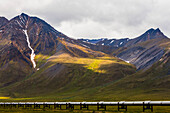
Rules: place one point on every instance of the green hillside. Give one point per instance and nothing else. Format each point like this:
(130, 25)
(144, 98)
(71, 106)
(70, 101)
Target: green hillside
(64, 76)
(92, 79)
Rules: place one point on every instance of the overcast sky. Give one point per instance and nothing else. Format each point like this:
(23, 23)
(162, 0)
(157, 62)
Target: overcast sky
(95, 18)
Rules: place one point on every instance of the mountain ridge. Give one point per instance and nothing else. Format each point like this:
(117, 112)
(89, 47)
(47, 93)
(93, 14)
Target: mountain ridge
(131, 50)
(43, 39)
(69, 66)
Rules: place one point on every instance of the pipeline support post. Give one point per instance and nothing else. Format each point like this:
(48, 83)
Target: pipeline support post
(101, 106)
(147, 107)
(83, 106)
(69, 106)
(36, 106)
(122, 106)
(57, 106)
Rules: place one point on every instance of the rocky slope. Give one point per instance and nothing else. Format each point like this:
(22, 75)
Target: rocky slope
(24, 37)
(106, 42)
(3, 21)
(142, 51)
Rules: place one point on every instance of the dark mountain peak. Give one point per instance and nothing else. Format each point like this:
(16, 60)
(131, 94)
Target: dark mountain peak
(150, 30)
(41, 35)
(152, 34)
(3, 21)
(148, 35)
(158, 30)
(153, 31)
(18, 22)
(3, 18)
(159, 34)
(23, 14)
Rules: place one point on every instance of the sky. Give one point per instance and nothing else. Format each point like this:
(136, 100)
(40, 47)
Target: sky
(95, 18)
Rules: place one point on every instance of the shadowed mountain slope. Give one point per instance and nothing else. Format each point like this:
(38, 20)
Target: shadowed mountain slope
(142, 51)
(59, 60)
(43, 39)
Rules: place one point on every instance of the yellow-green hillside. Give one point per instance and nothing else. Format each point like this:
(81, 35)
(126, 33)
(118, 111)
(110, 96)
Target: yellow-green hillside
(62, 74)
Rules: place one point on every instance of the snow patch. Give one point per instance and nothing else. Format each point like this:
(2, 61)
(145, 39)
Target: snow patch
(89, 42)
(22, 21)
(37, 33)
(92, 43)
(25, 18)
(19, 23)
(124, 60)
(112, 41)
(121, 43)
(32, 50)
(85, 46)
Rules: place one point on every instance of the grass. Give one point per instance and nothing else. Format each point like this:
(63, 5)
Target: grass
(78, 51)
(76, 77)
(89, 79)
(2, 98)
(88, 83)
(41, 59)
(93, 64)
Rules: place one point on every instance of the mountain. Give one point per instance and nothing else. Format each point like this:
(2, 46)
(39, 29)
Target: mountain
(148, 35)
(93, 41)
(35, 58)
(39, 63)
(142, 51)
(23, 37)
(3, 21)
(107, 42)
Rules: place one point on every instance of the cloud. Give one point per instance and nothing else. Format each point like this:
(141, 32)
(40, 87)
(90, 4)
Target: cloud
(95, 18)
